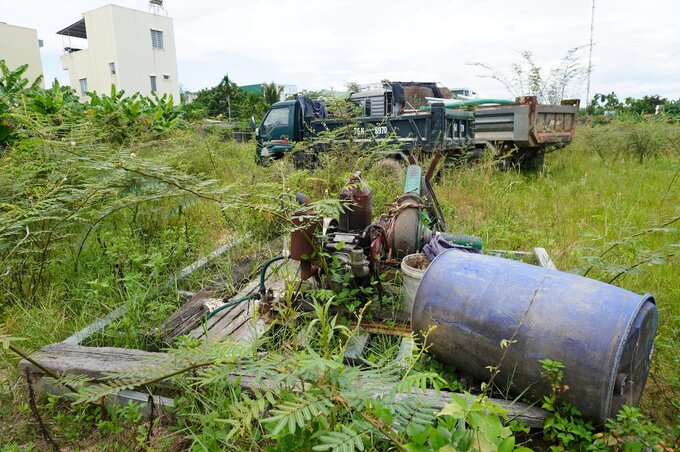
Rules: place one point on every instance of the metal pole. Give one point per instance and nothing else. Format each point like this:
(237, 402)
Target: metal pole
(590, 54)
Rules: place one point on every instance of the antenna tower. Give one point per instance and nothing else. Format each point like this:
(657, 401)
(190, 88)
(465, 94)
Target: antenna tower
(590, 53)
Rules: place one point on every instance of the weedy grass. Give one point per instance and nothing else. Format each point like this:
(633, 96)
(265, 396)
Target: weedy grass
(597, 206)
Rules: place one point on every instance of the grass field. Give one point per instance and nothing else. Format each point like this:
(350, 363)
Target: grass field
(608, 205)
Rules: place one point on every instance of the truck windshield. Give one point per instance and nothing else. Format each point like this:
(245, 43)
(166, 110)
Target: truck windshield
(276, 117)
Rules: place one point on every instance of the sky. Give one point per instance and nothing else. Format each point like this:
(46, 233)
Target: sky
(317, 44)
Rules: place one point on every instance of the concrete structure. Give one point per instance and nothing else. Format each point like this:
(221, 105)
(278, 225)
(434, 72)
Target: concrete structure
(20, 45)
(134, 50)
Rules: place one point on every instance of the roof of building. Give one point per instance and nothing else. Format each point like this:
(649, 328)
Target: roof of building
(255, 89)
(76, 30)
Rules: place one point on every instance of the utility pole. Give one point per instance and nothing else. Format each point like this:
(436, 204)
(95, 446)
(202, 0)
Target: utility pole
(590, 54)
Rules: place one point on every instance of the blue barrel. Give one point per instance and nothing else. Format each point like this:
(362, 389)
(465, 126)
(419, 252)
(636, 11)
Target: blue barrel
(602, 334)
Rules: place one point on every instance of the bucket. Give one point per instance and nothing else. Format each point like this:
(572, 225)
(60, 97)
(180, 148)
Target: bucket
(411, 276)
(601, 333)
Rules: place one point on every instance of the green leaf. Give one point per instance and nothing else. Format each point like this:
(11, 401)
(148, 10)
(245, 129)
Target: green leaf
(457, 407)
(490, 424)
(507, 445)
(412, 447)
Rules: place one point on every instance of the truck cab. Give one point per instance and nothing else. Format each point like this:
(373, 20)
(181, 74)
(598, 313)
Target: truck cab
(280, 128)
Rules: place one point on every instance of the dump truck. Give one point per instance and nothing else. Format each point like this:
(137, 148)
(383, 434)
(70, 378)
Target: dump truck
(289, 122)
(418, 115)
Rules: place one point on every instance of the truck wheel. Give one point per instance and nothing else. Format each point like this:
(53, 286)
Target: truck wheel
(533, 160)
(305, 160)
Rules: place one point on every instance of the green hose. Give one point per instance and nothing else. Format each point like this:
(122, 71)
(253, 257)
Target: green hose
(230, 304)
(263, 274)
(472, 103)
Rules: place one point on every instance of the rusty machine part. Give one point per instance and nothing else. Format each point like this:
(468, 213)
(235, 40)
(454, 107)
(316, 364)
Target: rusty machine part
(405, 230)
(356, 243)
(360, 199)
(302, 239)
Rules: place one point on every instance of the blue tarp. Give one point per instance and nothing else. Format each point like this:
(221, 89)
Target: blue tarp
(312, 108)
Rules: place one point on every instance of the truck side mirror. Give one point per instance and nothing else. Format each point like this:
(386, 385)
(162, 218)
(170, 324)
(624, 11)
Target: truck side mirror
(253, 124)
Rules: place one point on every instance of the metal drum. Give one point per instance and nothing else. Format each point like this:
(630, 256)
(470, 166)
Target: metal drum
(601, 333)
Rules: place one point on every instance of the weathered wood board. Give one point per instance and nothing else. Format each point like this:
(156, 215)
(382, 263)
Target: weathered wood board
(233, 322)
(192, 313)
(99, 362)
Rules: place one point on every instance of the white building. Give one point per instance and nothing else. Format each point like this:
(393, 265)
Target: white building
(18, 46)
(134, 50)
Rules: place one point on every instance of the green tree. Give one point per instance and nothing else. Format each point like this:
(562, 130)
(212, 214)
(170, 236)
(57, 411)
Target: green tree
(548, 84)
(604, 102)
(271, 93)
(645, 105)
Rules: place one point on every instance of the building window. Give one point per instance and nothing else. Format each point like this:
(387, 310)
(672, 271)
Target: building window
(166, 76)
(157, 39)
(152, 78)
(112, 68)
(83, 87)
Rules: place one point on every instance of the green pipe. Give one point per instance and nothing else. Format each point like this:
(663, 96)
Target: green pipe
(472, 103)
(263, 274)
(464, 240)
(230, 304)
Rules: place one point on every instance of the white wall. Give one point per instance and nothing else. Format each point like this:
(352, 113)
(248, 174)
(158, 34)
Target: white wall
(138, 59)
(123, 36)
(19, 45)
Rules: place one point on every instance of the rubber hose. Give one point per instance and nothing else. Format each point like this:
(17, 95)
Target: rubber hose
(230, 304)
(263, 272)
(472, 102)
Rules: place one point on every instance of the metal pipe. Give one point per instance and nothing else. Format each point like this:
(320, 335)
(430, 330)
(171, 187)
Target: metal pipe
(472, 103)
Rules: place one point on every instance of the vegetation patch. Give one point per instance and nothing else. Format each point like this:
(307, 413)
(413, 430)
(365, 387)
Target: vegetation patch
(103, 204)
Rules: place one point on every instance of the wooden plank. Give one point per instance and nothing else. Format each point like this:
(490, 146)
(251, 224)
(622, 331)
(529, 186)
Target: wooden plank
(190, 315)
(94, 327)
(543, 258)
(398, 329)
(119, 399)
(186, 317)
(227, 322)
(523, 256)
(202, 262)
(97, 362)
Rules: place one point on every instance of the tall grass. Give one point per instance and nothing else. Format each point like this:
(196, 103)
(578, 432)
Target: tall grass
(600, 193)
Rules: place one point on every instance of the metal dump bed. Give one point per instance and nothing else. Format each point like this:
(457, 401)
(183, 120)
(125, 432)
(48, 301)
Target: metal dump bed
(526, 124)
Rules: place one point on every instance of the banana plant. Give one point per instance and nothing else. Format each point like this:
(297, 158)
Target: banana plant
(12, 85)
